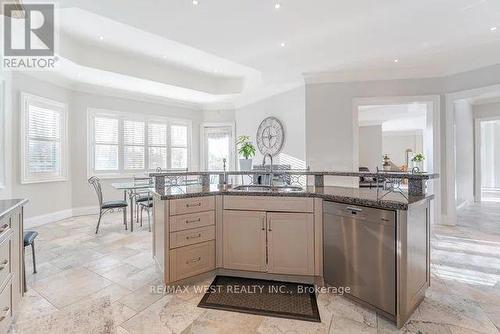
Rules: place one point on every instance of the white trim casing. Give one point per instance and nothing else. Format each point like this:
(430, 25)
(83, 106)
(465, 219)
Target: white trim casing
(434, 111)
(451, 202)
(60, 107)
(121, 116)
(232, 162)
(3, 134)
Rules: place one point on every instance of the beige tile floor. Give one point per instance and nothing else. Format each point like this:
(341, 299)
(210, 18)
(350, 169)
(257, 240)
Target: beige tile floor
(89, 283)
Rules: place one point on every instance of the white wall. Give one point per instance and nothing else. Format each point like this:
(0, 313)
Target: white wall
(395, 144)
(330, 121)
(464, 173)
(52, 197)
(82, 194)
(289, 108)
(5, 136)
(370, 147)
(44, 197)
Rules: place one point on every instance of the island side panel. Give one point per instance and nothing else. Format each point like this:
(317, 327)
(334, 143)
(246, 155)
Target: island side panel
(219, 207)
(160, 235)
(413, 259)
(318, 237)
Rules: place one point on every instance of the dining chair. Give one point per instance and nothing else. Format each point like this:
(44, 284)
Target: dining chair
(148, 206)
(107, 207)
(142, 195)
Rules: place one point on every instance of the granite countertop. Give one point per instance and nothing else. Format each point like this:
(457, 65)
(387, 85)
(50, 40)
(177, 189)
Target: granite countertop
(396, 175)
(356, 196)
(7, 205)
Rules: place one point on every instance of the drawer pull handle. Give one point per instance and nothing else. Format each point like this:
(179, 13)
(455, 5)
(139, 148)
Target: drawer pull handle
(353, 209)
(193, 236)
(4, 227)
(194, 260)
(6, 311)
(193, 221)
(188, 205)
(3, 264)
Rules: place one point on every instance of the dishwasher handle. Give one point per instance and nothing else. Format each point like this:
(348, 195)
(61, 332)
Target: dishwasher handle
(353, 209)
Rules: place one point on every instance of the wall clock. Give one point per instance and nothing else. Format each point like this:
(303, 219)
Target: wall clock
(270, 136)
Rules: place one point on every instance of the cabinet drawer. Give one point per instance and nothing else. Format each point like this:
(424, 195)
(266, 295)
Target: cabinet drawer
(5, 308)
(268, 203)
(5, 227)
(192, 220)
(191, 205)
(5, 260)
(194, 236)
(192, 260)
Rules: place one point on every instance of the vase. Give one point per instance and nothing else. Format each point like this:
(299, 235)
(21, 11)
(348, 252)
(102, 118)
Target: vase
(419, 165)
(245, 164)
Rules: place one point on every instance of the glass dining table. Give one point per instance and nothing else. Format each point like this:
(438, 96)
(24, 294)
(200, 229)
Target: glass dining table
(131, 190)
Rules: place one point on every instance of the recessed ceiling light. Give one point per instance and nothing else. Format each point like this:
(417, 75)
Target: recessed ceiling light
(282, 44)
(493, 28)
(396, 60)
(195, 2)
(101, 38)
(277, 6)
(164, 57)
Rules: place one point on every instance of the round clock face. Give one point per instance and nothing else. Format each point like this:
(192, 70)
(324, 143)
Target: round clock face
(270, 136)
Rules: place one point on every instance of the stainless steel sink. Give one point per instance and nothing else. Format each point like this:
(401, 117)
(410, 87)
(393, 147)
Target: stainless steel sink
(264, 188)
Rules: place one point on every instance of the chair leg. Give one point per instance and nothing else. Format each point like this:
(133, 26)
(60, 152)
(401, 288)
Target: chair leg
(149, 221)
(125, 217)
(141, 216)
(98, 222)
(33, 254)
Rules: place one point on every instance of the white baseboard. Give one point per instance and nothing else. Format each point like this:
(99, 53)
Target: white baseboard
(464, 204)
(59, 215)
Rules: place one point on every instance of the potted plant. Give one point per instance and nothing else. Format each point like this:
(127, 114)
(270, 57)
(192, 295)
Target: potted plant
(247, 150)
(418, 162)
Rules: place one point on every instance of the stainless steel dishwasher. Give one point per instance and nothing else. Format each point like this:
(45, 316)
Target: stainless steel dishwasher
(360, 253)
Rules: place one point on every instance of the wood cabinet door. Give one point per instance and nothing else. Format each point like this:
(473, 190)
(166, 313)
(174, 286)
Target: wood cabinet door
(244, 240)
(290, 243)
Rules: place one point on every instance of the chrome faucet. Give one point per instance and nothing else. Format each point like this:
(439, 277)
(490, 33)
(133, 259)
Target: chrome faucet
(271, 175)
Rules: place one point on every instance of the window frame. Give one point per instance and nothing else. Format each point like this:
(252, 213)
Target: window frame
(92, 113)
(203, 148)
(62, 109)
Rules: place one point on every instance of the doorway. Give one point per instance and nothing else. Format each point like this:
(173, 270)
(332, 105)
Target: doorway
(425, 110)
(488, 160)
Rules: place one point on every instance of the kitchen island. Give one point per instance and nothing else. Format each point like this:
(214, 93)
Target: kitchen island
(286, 235)
(11, 260)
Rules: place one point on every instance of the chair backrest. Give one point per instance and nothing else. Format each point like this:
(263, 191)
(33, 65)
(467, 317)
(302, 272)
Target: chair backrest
(96, 183)
(364, 169)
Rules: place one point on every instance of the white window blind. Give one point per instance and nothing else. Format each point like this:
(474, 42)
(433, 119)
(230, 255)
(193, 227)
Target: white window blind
(44, 139)
(128, 144)
(179, 150)
(106, 144)
(157, 145)
(133, 151)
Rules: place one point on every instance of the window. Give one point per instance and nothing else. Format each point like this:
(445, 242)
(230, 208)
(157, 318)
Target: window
(43, 136)
(124, 144)
(218, 144)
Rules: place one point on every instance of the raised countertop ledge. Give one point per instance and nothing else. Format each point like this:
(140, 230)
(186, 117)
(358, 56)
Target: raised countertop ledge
(355, 196)
(7, 205)
(396, 175)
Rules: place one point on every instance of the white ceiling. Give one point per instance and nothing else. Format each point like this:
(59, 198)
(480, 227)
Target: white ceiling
(231, 49)
(395, 117)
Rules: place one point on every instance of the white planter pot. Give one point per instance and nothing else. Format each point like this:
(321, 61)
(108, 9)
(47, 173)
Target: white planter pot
(419, 165)
(245, 164)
